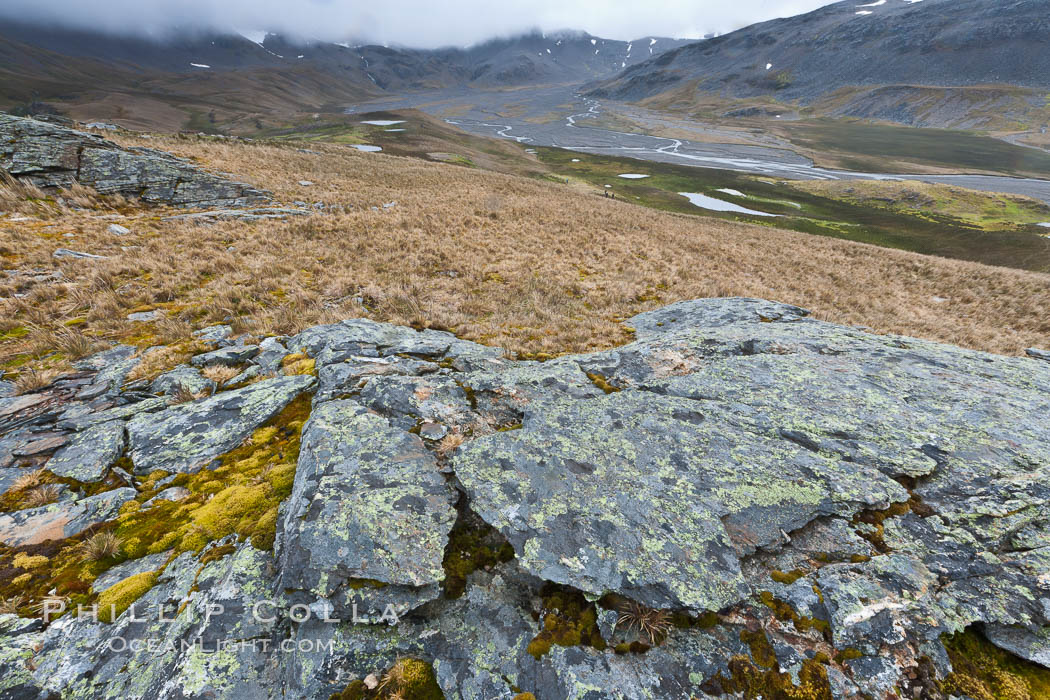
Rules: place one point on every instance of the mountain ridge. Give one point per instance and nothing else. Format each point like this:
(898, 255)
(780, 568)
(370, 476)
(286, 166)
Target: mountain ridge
(843, 52)
(196, 81)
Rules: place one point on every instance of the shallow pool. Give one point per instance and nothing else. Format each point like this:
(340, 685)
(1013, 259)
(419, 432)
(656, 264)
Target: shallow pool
(705, 202)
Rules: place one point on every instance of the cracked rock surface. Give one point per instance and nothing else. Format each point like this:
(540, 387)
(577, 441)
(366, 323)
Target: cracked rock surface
(778, 498)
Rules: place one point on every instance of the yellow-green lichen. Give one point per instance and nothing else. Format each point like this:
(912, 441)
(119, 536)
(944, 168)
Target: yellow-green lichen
(299, 363)
(751, 682)
(241, 496)
(785, 613)
(788, 577)
(602, 383)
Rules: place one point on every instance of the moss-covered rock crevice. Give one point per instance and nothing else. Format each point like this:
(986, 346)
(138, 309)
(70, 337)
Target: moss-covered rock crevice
(983, 671)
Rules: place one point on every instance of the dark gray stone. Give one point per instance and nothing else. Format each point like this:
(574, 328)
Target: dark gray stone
(185, 378)
(1032, 645)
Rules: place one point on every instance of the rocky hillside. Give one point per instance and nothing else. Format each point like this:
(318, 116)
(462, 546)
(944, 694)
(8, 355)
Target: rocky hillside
(52, 156)
(742, 501)
(874, 54)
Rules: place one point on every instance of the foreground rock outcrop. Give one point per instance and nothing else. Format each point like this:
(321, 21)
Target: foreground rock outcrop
(743, 501)
(50, 155)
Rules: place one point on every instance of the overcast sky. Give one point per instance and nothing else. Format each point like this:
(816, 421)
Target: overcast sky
(418, 23)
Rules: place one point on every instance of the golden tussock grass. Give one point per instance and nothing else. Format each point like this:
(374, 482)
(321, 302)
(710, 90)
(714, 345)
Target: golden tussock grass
(528, 265)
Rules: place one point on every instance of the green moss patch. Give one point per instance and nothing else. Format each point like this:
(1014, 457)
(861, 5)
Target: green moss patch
(568, 620)
(407, 679)
(473, 544)
(783, 612)
(983, 671)
(751, 682)
(602, 383)
(241, 496)
(117, 598)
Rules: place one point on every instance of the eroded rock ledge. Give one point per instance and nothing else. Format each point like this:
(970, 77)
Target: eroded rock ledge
(53, 156)
(743, 500)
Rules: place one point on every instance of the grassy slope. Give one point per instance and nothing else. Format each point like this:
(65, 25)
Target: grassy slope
(947, 224)
(530, 265)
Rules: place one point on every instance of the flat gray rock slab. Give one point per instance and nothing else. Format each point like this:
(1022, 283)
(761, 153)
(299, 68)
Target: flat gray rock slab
(186, 437)
(214, 334)
(406, 400)
(710, 314)
(61, 520)
(651, 497)
(101, 360)
(89, 453)
(67, 253)
(172, 493)
(368, 503)
(82, 416)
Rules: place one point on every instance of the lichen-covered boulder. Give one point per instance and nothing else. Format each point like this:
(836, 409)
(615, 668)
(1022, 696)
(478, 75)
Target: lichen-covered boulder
(369, 514)
(187, 437)
(198, 632)
(185, 378)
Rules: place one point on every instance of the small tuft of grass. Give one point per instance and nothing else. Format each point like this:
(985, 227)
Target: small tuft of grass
(31, 380)
(100, 546)
(651, 624)
(42, 495)
(220, 375)
(28, 480)
(451, 442)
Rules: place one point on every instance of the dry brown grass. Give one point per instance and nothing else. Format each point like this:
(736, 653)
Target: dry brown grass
(101, 545)
(11, 606)
(28, 480)
(32, 379)
(532, 266)
(650, 625)
(220, 375)
(42, 495)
